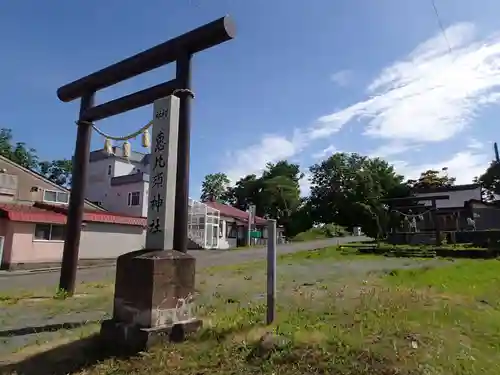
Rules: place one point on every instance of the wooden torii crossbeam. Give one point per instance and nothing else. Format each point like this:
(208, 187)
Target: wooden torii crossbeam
(432, 198)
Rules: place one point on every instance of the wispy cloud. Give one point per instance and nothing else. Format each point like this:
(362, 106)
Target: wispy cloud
(254, 158)
(328, 151)
(392, 148)
(431, 95)
(474, 144)
(464, 166)
(428, 96)
(305, 184)
(342, 77)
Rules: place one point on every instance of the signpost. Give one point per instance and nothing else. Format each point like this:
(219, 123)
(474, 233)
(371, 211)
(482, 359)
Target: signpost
(271, 270)
(255, 234)
(251, 221)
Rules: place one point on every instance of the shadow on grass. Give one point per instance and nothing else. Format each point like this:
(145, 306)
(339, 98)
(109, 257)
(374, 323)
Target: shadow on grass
(61, 360)
(45, 328)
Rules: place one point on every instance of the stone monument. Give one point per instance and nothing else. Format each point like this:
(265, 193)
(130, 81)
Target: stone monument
(154, 287)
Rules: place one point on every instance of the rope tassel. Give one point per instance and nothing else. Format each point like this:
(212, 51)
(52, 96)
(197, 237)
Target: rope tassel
(126, 149)
(146, 139)
(108, 147)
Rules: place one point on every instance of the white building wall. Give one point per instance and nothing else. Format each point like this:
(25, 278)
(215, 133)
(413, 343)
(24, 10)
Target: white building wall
(101, 240)
(99, 187)
(98, 180)
(117, 199)
(122, 167)
(457, 198)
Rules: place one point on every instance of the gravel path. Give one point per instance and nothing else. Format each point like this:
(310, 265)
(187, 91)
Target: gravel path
(204, 258)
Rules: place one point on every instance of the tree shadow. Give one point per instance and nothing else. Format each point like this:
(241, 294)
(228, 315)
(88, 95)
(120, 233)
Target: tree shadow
(45, 328)
(64, 359)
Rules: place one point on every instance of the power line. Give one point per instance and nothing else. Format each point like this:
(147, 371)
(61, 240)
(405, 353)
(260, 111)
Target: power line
(440, 23)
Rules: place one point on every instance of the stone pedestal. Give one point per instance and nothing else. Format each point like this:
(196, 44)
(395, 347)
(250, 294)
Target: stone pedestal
(153, 300)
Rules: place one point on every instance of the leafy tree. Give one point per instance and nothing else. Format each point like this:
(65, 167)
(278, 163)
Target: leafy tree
(280, 190)
(214, 187)
(246, 192)
(490, 180)
(432, 179)
(18, 152)
(57, 171)
(347, 189)
(300, 220)
(276, 193)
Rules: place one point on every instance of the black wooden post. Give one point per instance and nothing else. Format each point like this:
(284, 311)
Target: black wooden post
(76, 199)
(183, 76)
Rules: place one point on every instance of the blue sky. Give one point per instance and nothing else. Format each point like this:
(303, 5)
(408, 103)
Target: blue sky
(302, 79)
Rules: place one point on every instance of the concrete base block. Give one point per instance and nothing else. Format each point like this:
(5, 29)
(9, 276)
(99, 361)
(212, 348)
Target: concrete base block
(126, 339)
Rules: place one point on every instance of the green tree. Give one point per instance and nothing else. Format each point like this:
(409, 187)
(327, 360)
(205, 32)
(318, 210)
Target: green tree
(490, 180)
(214, 187)
(57, 171)
(280, 190)
(347, 190)
(300, 220)
(276, 193)
(432, 179)
(17, 152)
(246, 192)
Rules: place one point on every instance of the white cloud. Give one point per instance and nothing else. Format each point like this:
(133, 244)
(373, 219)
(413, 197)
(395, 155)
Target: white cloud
(305, 184)
(474, 144)
(430, 95)
(328, 151)
(392, 148)
(253, 159)
(464, 166)
(342, 77)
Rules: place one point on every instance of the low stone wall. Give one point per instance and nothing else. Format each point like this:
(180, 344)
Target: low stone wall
(419, 252)
(480, 238)
(419, 238)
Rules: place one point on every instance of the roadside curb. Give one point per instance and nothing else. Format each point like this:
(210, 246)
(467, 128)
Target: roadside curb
(51, 269)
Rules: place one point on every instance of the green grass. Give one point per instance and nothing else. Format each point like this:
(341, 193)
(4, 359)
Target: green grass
(471, 278)
(407, 246)
(418, 321)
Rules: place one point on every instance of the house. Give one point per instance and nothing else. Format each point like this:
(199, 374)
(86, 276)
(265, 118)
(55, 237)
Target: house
(233, 228)
(33, 213)
(117, 183)
(121, 185)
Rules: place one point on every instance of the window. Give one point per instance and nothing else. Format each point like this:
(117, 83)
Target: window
(109, 170)
(134, 198)
(49, 232)
(53, 196)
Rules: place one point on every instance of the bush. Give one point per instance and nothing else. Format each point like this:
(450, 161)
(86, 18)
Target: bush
(323, 232)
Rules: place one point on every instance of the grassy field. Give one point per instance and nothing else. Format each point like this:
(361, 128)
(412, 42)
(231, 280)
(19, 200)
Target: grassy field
(337, 313)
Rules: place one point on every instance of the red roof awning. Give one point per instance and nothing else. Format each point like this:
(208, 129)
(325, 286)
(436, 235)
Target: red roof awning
(45, 213)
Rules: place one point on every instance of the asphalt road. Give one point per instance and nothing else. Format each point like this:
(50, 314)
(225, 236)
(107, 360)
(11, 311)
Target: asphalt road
(204, 258)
